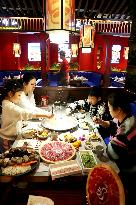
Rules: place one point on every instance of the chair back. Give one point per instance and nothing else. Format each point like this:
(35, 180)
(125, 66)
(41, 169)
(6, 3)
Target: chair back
(133, 108)
(104, 186)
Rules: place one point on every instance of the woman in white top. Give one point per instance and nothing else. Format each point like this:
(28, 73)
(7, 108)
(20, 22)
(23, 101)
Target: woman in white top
(12, 114)
(27, 100)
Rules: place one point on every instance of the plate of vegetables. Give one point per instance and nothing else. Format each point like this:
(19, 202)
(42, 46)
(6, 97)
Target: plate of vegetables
(87, 159)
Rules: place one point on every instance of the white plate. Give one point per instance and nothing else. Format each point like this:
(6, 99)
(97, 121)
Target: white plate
(60, 123)
(61, 137)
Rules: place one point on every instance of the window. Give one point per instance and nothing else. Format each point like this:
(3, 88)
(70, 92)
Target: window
(115, 53)
(34, 52)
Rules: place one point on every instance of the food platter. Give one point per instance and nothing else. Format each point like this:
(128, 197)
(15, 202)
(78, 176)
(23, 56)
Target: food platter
(44, 134)
(66, 168)
(67, 137)
(29, 133)
(88, 160)
(92, 136)
(60, 123)
(84, 125)
(101, 182)
(33, 133)
(56, 151)
(18, 161)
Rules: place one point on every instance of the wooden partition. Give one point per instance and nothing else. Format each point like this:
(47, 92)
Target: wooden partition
(68, 94)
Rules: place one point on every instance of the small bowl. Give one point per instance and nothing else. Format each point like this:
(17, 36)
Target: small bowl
(88, 145)
(99, 150)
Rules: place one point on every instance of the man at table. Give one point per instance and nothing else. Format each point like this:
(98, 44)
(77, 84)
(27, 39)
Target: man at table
(64, 70)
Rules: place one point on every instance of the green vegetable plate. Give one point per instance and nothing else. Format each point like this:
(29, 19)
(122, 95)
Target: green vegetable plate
(87, 159)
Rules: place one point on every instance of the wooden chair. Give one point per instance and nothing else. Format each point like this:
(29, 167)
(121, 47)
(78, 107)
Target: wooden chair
(104, 187)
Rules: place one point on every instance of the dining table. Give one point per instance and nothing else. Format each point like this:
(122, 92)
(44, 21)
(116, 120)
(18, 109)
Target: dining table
(41, 174)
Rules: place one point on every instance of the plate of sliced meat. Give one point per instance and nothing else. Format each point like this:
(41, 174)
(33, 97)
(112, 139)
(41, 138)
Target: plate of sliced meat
(56, 151)
(18, 161)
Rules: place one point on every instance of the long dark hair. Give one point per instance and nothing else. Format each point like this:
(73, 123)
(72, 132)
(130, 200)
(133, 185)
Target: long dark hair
(13, 86)
(27, 77)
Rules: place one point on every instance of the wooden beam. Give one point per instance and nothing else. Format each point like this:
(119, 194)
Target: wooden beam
(34, 10)
(20, 7)
(40, 7)
(13, 7)
(26, 7)
(85, 9)
(6, 8)
(106, 8)
(1, 11)
(94, 4)
(79, 7)
(112, 9)
(119, 8)
(98, 11)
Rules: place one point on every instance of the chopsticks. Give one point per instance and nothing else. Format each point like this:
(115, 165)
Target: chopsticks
(52, 109)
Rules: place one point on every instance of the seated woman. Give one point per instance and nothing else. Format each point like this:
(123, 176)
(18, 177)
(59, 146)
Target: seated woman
(12, 114)
(96, 107)
(122, 145)
(27, 100)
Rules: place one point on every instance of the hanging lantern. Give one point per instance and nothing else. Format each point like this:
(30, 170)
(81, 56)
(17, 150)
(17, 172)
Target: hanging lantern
(126, 51)
(16, 49)
(87, 33)
(60, 15)
(74, 50)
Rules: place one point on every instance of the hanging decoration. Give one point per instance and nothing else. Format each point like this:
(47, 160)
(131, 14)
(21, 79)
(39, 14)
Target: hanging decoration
(59, 18)
(17, 49)
(74, 50)
(126, 51)
(87, 33)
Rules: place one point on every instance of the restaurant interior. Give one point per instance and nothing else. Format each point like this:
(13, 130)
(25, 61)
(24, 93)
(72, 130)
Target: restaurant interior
(98, 38)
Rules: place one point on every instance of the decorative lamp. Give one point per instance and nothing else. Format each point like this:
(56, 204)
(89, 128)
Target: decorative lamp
(126, 51)
(74, 50)
(59, 19)
(87, 33)
(16, 49)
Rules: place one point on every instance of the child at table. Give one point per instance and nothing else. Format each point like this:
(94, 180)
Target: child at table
(13, 115)
(95, 106)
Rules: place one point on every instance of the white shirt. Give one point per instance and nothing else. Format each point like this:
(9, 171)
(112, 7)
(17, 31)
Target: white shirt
(11, 122)
(28, 102)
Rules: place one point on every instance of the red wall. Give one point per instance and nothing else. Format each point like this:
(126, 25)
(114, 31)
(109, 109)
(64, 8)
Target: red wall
(116, 40)
(86, 61)
(8, 61)
(89, 61)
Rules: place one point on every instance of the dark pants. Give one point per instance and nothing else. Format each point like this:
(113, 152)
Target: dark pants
(63, 80)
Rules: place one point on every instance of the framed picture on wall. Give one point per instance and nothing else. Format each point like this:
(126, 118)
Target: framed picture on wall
(115, 53)
(34, 52)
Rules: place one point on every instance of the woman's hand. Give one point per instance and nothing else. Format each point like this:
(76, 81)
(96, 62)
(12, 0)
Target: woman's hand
(97, 120)
(101, 122)
(50, 116)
